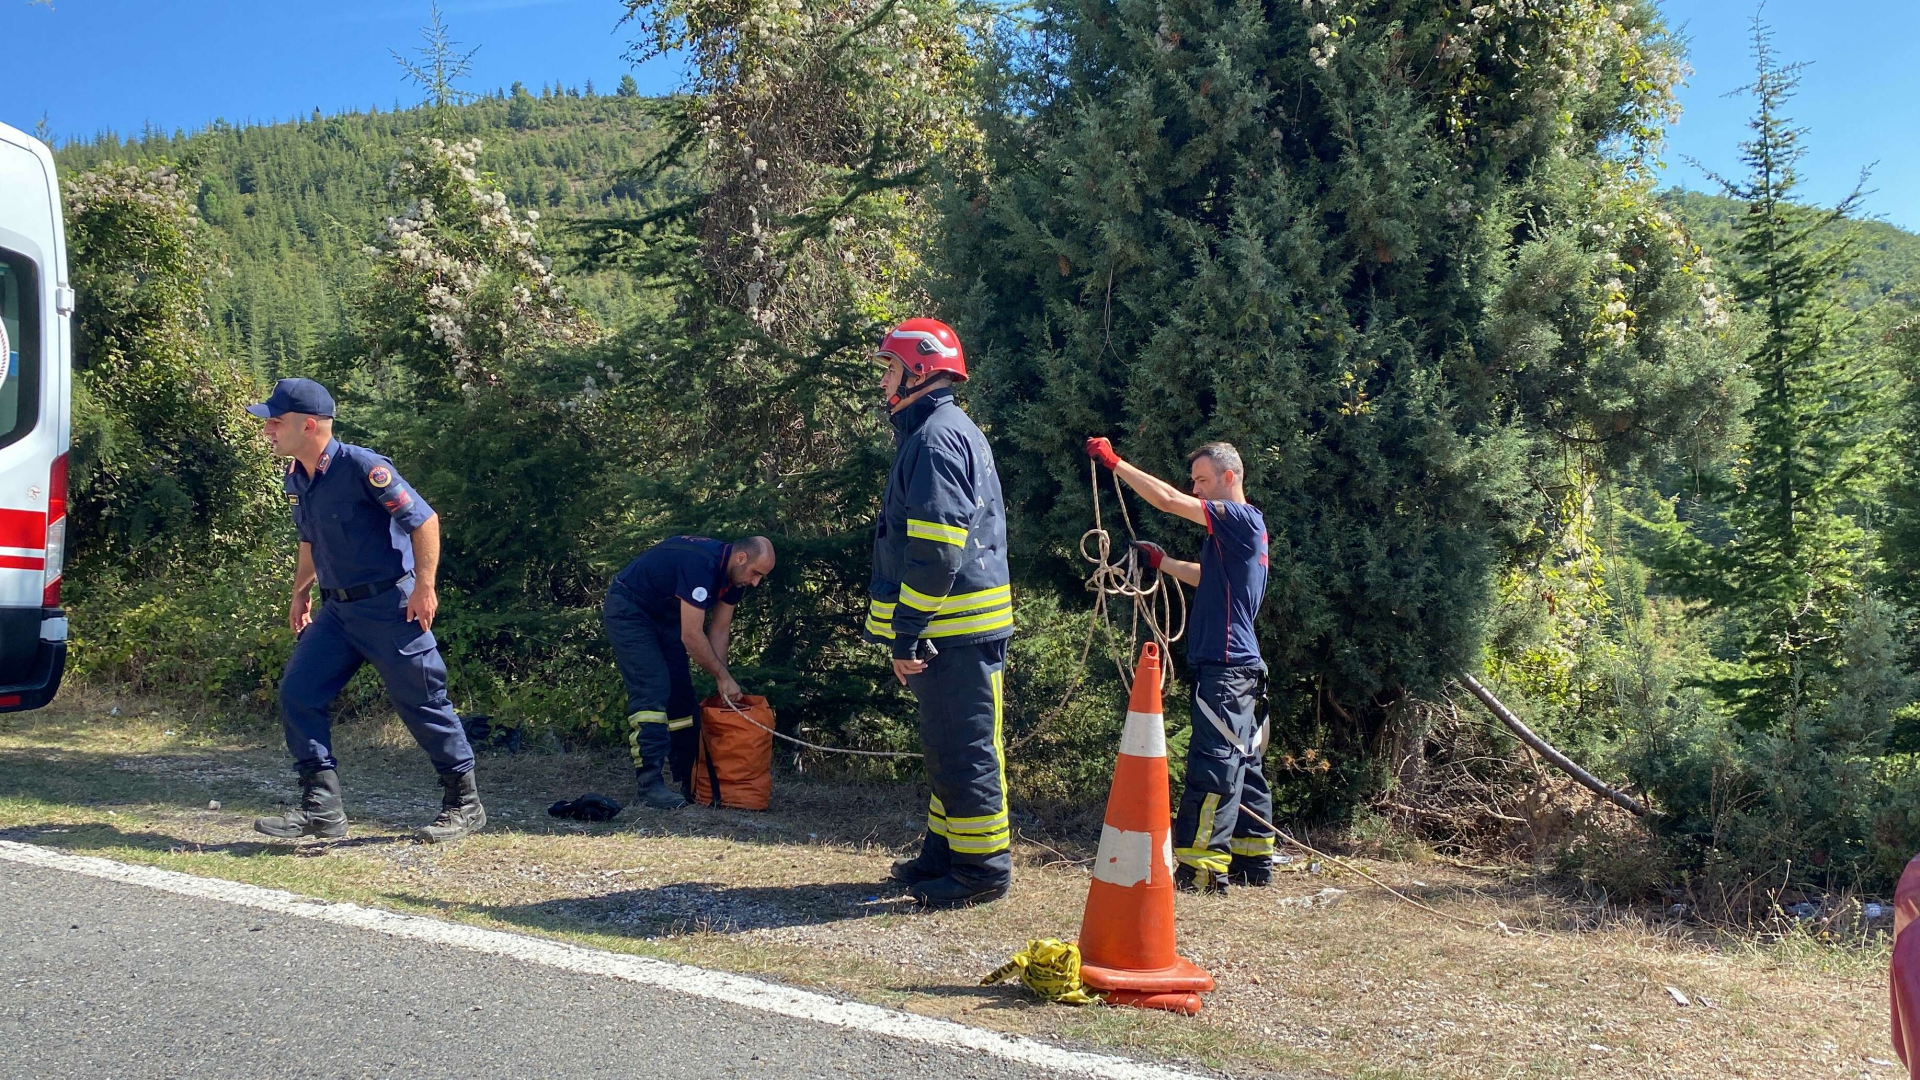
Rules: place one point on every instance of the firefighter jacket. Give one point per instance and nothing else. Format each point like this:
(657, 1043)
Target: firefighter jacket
(940, 547)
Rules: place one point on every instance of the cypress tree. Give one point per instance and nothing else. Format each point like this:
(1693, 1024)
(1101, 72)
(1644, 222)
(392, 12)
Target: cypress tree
(1355, 240)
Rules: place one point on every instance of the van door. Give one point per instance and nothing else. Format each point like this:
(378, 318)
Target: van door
(34, 304)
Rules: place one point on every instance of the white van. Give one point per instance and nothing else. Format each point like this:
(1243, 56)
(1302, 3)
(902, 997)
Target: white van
(35, 390)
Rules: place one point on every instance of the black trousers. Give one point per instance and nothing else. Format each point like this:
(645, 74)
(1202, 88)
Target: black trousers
(1210, 833)
(659, 681)
(968, 830)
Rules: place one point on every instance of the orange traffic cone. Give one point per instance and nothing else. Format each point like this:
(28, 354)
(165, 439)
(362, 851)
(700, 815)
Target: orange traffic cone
(1126, 936)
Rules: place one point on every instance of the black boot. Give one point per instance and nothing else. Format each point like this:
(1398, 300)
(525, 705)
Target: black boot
(916, 870)
(1253, 873)
(321, 813)
(460, 810)
(1189, 879)
(654, 791)
(945, 892)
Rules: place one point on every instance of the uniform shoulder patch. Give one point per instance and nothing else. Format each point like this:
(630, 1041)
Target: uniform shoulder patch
(379, 476)
(699, 594)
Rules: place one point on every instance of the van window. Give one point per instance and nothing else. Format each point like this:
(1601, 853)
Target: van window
(20, 316)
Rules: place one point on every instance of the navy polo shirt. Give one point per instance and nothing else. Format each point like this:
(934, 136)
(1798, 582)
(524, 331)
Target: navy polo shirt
(1233, 581)
(358, 514)
(690, 568)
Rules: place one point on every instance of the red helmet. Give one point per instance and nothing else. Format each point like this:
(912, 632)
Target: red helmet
(926, 345)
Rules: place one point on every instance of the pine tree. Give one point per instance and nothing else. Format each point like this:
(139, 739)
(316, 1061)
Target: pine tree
(1788, 572)
(628, 88)
(441, 64)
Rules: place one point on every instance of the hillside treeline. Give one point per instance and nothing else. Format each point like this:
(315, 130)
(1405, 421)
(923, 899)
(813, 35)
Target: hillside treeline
(1644, 465)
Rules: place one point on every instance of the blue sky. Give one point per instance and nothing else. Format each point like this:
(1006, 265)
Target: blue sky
(93, 64)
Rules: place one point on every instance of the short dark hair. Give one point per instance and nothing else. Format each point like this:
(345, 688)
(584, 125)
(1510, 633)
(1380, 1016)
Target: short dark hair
(756, 547)
(1222, 455)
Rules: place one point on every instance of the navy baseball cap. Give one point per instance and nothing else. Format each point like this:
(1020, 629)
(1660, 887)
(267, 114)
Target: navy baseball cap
(295, 395)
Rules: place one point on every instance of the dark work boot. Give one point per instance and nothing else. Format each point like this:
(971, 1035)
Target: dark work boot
(655, 793)
(460, 810)
(916, 870)
(1253, 873)
(1190, 879)
(321, 813)
(945, 892)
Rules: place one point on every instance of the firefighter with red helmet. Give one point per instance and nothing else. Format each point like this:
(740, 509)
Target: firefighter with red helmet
(941, 601)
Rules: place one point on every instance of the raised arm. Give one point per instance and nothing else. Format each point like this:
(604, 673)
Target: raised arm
(1159, 494)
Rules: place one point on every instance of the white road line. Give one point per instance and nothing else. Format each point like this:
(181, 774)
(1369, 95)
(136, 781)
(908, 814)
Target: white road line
(678, 978)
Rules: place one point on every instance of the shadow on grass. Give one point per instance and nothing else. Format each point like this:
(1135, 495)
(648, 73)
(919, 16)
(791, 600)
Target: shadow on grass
(381, 782)
(688, 907)
(82, 838)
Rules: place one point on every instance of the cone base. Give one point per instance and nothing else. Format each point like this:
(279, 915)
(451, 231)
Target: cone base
(1184, 1004)
(1183, 976)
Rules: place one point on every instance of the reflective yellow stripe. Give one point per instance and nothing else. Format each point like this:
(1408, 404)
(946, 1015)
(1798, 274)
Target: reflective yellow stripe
(914, 598)
(1000, 741)
(1203, 859)
(1199, 856)
(993, 620)
(973, 601)
(680, 724)
(880, 609)
(936, 806)
(934, 530)
(937, 826)
(1253, 846)
(987, 845)
(878, 629)
(647, 716)
(979, 824)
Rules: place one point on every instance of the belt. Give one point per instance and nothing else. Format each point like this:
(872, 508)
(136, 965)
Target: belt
(361, 592)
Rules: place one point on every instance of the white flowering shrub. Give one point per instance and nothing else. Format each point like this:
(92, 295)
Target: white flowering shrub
(814, 119)
(462, 289)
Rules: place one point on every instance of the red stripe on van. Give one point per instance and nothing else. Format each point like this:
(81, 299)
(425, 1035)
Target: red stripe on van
(23, 529)
(22, 562)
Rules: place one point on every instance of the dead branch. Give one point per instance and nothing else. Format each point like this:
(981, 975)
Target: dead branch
(1546, 750)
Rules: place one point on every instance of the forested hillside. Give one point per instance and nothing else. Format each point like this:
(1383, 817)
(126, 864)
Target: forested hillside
(1886, 265)
(293, 206)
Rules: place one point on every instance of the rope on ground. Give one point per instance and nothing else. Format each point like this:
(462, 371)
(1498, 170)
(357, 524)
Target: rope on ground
(1344, 865)
(816, 746)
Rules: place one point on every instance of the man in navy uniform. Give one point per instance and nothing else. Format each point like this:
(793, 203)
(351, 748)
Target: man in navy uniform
(373, 545)
(674, 603)
(1212, 840)
(942, 603)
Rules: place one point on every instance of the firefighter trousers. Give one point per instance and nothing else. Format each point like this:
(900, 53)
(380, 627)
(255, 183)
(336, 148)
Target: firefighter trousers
(968, 830)
(1210, 833)
(659, 681)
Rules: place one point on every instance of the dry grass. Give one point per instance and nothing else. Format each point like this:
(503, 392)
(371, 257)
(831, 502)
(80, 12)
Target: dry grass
(1367, 988)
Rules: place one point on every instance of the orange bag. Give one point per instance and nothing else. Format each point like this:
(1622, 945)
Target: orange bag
(734, 765)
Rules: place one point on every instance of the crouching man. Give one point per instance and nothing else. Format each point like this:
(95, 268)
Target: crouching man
(672, 604)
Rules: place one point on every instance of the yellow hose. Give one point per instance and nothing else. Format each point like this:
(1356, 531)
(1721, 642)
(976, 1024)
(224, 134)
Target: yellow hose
(1050, 969)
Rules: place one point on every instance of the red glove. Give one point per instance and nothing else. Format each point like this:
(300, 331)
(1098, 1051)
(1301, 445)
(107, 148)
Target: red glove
(1149, 553)
(1101, 451)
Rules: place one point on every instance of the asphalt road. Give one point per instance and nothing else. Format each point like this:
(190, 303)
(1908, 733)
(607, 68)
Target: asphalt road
(101, 980)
